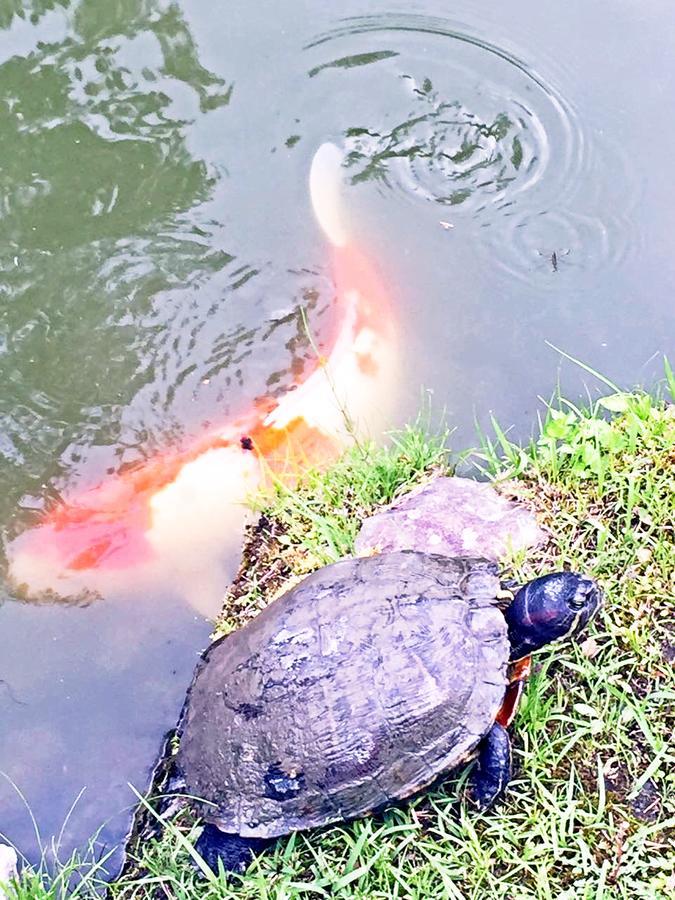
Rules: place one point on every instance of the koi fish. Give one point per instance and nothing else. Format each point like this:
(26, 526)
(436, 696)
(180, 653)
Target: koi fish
(176, 511)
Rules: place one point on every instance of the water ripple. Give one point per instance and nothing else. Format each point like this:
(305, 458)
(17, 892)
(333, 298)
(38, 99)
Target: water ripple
(476, 130)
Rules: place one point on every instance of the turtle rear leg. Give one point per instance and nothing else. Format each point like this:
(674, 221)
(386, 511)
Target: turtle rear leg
(493, 768)
(235, 852)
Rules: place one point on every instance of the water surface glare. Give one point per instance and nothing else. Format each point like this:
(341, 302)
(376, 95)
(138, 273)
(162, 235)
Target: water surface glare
(507, 174)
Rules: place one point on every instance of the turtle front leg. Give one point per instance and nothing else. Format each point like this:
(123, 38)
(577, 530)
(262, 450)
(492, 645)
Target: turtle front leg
(235, 852)
(493, 768)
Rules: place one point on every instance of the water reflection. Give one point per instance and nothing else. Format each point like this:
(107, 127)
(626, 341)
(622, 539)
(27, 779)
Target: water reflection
(34, 10)
(127, 314)
(140, 19)
(94, 159)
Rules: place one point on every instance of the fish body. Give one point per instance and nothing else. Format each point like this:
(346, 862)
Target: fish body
(176, 510)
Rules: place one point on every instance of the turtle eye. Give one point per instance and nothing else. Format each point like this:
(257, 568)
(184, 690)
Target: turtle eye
(583, 594)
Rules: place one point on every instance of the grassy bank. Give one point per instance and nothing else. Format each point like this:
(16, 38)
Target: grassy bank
(591, 811)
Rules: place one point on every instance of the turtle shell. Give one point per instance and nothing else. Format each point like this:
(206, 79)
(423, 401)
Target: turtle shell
(358, 687)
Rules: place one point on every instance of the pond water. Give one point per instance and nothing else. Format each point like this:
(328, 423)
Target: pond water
(508, 174)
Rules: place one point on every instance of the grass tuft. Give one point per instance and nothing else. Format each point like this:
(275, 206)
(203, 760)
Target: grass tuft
(82, 876)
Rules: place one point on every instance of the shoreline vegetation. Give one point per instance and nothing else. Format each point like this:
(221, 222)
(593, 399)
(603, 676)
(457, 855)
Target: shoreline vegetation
(590, 813)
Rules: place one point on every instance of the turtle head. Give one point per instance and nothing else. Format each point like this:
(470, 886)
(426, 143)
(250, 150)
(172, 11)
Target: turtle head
(549, 609)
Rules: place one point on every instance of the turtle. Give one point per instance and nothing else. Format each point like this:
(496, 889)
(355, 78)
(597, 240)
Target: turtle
(361, 686)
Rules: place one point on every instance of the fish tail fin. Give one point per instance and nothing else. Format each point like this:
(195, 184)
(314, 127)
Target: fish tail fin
(325, 190)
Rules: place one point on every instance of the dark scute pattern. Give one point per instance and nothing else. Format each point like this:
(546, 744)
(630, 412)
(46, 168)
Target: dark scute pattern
(372, 677)
(283, 785)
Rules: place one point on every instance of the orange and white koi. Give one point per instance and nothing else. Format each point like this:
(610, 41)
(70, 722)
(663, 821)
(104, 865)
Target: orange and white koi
(175, 512)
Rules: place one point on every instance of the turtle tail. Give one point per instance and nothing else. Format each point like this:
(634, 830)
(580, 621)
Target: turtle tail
(234, 852)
